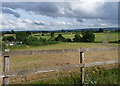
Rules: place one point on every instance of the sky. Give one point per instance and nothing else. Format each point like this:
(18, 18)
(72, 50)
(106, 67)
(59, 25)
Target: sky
(58, 15)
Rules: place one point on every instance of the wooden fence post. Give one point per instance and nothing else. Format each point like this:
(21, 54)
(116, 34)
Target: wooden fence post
(6, 69)
(82, 67)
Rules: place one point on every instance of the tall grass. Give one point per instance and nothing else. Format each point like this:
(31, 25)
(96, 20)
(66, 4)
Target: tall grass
(97, 76)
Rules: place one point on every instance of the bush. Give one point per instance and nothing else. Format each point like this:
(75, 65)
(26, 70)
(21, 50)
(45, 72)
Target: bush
(33, 41)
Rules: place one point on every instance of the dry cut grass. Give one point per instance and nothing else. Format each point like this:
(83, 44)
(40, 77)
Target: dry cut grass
(45, 60)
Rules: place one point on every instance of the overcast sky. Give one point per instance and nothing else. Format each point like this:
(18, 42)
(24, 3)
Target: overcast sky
(58, 15)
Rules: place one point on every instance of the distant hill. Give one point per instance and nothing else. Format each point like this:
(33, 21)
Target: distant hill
(88, 29)
(85, 29)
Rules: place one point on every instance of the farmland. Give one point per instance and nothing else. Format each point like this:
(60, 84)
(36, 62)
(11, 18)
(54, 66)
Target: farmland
(23, 62)
(99, 38)
(46, 60)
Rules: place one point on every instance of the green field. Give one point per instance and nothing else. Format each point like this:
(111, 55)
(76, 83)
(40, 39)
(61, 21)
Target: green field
(62, 45)
(113, 37)
(99, 38)
(47, 35)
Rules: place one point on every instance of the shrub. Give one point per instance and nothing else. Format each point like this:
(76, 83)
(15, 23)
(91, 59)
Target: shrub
(33, 41)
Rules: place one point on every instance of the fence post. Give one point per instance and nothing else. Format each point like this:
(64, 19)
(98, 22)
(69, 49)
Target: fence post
(82, 67)
(6, 69)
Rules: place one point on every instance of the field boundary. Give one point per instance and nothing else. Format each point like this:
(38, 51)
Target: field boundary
(56, 68)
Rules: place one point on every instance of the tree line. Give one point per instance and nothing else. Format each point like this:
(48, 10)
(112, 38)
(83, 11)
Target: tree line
(28, 39)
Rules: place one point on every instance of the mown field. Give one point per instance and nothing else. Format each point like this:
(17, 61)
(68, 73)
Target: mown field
(22, 62)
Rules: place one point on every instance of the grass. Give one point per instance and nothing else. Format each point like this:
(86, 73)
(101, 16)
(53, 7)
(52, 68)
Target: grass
(47, 60)
(113, 37)
(101, 76)
(99, 37)
(9, 35)
(61, 45)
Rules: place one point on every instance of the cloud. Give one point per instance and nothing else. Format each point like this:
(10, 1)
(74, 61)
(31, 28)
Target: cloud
(86, 9)
(9, 11)
(26, 21)
(59, 15)
(38, 23)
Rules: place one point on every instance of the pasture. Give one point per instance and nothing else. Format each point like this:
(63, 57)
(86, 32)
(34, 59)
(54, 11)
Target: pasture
(99, 38)
(23, 62)
(61, 45)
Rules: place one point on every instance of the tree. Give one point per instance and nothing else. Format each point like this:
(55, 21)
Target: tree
(100, 30)
(52, 34)
(28, 32)
(60, 38)
(20, 36)
(10, 38)
(88, 36)
(77, 38)
(8, 32)
(68, 40)
(62, 30)
(5, 38)
(12, 32)
(43, 34)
